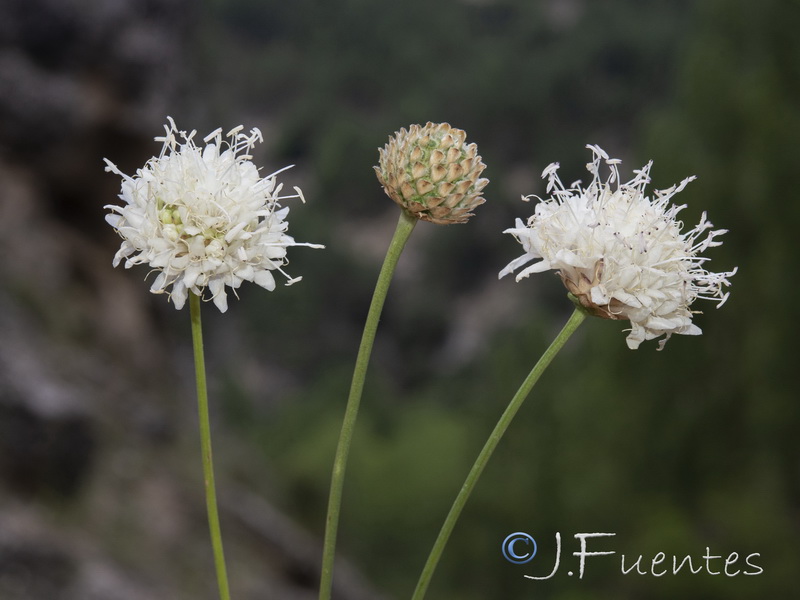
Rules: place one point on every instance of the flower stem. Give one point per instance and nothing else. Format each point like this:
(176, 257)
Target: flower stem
(405, 226)
(205, 442)
(469, 484)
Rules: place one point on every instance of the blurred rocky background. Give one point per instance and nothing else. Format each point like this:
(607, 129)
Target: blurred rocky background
(100, 484)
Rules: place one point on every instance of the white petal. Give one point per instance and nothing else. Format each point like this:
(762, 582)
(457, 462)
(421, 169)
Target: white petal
(178, 295)
(265, 280)
(515, 264)
(217, 288)
(538, 267)
(635, 337)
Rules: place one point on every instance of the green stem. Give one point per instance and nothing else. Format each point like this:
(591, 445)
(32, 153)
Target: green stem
(405, 226)
(455, 511)
(205, 442)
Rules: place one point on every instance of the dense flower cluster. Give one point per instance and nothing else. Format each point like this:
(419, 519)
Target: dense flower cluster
(203, 217)
(621, 253)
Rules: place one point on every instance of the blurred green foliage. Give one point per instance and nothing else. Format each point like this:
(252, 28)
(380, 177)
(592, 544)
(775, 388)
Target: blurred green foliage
(678, 451)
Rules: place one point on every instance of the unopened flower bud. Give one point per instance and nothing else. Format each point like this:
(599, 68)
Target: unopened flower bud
(433, 173)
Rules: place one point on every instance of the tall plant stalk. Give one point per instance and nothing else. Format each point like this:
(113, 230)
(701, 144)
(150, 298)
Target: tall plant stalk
(205, 444)
(494, 438)
(405, 226)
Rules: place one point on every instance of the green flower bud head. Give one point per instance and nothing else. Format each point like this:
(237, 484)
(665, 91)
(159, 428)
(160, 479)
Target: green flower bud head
(433, 173)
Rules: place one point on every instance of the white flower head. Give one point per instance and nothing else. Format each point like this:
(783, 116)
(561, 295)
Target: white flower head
(203, 217)
(621, 253)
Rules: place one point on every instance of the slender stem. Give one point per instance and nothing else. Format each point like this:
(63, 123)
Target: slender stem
(205, 442)
(405, 226)
(469, 484)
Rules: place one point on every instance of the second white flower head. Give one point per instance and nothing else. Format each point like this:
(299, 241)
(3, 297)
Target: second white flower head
(204, 218)
(620, 253)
